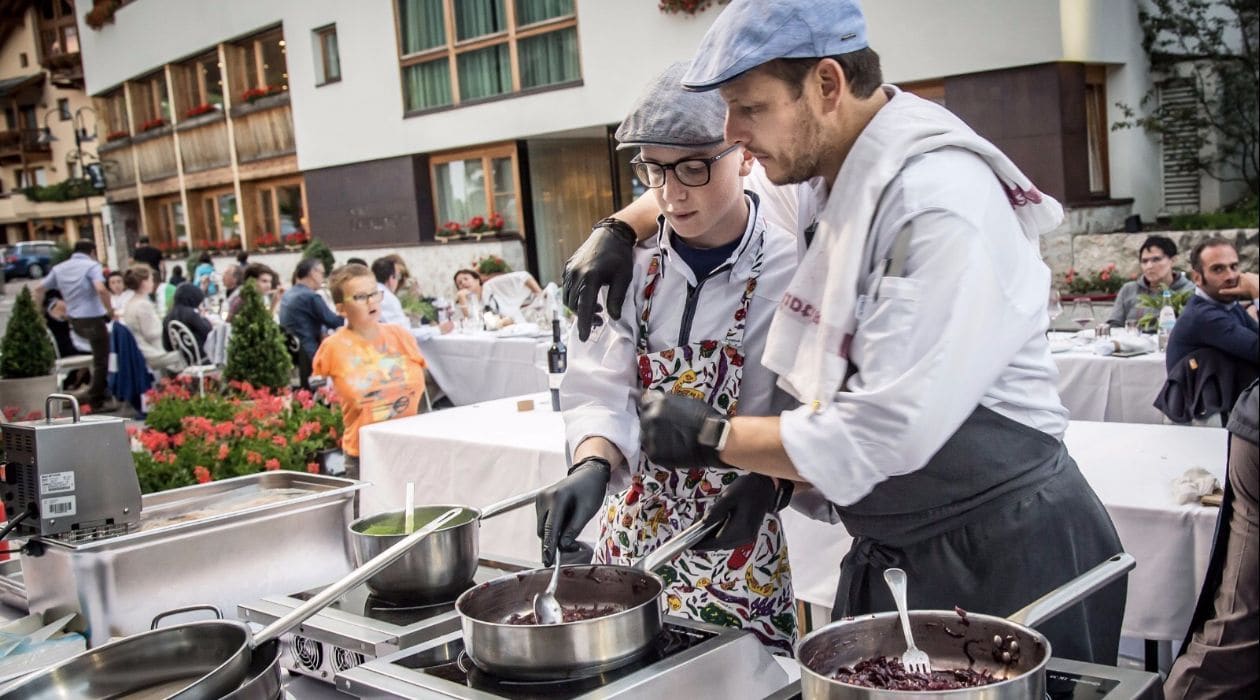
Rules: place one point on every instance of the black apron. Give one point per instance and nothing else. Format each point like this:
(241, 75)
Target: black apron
(998, 517)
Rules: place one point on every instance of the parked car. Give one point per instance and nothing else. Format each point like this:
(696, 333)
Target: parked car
(29, 259)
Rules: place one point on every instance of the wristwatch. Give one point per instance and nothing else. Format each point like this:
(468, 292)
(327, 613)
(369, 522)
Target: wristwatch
(714, 432)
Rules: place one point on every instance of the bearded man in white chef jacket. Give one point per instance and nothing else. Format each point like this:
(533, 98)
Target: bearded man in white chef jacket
(913, 333)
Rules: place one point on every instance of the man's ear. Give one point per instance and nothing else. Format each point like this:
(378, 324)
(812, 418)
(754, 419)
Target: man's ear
(1196, 277)
(828, 82)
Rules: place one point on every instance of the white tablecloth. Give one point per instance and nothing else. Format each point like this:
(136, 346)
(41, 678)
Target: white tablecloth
(473, 367)
(479, 454)
(1112, 389)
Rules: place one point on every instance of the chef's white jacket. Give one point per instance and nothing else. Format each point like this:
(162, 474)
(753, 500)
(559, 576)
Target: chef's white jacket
(966, 327)
(601, 388)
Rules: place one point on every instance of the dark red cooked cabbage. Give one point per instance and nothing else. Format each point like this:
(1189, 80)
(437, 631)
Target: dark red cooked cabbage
(571, 614)
(884, 673)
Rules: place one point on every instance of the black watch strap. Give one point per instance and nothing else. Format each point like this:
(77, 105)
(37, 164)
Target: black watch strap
(786, 488)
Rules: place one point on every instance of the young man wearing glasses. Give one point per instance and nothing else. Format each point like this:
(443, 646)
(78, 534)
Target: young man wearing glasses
(376, 368)
(703, 292)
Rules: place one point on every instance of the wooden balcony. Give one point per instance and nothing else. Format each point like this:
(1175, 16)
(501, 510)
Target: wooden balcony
(263, 129)
(120, 171)
(203, 143)
(155, 154)
(23, 145)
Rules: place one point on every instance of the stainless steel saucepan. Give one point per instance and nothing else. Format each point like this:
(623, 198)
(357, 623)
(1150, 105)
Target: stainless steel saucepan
(194, 661)
(1007, 647)
(570, 649)
(441, 566)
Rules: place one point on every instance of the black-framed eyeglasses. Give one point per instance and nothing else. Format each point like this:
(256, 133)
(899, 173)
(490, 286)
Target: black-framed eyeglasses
(692, 172)
(371, 296)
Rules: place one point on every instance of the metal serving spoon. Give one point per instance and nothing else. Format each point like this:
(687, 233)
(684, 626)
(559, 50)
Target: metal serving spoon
(546, 608)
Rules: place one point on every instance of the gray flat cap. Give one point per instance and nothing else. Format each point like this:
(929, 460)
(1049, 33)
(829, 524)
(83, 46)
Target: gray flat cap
(749, 33)
(666, 114)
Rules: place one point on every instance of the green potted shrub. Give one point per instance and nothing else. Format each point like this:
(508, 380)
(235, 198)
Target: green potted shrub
(27, 359)
(256, 351)
(318, 249)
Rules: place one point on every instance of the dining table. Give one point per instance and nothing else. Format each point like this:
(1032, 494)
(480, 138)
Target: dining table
(1109, 388)
(478, 365)
(484, 452)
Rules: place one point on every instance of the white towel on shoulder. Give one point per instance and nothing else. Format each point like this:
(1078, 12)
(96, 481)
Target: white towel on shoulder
(811, 331)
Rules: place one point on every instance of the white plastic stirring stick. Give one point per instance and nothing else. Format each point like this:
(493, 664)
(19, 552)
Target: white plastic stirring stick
(410, 512)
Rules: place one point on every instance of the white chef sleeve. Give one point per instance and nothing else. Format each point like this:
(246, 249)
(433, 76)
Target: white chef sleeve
(932, 345)
(600, 392)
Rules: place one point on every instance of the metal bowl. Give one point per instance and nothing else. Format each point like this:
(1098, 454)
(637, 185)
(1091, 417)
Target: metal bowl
(944, 637)
(437, 568)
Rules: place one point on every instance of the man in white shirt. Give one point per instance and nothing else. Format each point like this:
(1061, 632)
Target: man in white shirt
(387, 282)
(913, 333)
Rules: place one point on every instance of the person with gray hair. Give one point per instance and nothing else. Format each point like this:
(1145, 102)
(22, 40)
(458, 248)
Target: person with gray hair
(703, 291)
(912, 334)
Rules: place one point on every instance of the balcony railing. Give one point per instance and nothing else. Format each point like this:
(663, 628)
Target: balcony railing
(203, 143)
(19, 144)
(120, 171)
(263, 129)
(156, 156)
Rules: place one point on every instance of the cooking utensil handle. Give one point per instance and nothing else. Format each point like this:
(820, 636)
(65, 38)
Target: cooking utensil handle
(679, 543)
(64, 398)
(512, 503)
(369, 569)
(1067, 595)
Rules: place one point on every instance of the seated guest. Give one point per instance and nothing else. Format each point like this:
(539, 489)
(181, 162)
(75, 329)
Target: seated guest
(376, 368)
(186, 308)
(1156, 256)
(68, 344)
(508, 293)
(302, 311)
(166, 290)
(1213, 317)
(231, 281)
(265, 279)
(468, 287)
(119, 295)
(141, 317)
(203, 275)
(386, 273)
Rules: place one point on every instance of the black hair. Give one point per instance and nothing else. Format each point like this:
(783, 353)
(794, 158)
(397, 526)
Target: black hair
(85, 246)
(304, 268)
(357, 261)
(861, 70)
(242, 257)
(143, 240)
(1196, 255)
(255, 270)
(1163, 243)
(204, 257)
(383, 269)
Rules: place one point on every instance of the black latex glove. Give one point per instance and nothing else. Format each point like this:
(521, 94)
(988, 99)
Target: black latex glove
(743, 506)
(670, 426)
(567, 505)
(606, 259)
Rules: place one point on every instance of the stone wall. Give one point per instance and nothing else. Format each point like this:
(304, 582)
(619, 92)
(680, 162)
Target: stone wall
(1088, 252)
(433, 265)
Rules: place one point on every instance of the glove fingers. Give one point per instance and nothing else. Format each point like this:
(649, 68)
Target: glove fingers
(558, 525)
(617, 289)
(587, 295)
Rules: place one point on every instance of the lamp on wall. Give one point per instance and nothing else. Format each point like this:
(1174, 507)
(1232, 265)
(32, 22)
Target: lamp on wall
(92, 172)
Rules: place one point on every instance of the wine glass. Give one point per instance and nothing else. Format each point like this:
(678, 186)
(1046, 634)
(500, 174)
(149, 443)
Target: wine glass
(1083, 313)
(1054, 306)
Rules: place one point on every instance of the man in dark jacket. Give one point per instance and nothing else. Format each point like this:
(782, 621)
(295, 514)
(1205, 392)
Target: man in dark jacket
(303, 312)
(146, 254)
(1213, 317)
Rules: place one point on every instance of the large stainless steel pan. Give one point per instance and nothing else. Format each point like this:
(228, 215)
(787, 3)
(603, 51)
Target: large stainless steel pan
(978, 643)
(439, 567)
(194, 661)
(570, 649)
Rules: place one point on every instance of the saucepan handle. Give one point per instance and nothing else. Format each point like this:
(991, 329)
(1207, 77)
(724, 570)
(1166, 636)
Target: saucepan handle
(512, 503)
(1070, 593)
(679, 543)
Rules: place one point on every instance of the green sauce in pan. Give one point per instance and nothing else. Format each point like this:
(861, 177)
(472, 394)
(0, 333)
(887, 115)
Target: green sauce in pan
(392, 524)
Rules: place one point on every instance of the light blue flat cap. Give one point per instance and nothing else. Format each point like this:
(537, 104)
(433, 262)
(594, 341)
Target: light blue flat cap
(666, 114)
(749, 33)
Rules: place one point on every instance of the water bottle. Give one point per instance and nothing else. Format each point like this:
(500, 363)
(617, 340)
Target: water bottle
(557, 361)
(1167, 319)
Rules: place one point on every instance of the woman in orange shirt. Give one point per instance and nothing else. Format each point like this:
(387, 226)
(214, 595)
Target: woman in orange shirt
(376, 368)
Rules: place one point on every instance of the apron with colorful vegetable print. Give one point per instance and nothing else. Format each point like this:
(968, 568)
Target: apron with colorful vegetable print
(748, 587)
